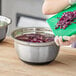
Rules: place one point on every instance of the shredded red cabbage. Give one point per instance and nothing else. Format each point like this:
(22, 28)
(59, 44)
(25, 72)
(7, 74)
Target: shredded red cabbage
(35, 38)
(67, 19)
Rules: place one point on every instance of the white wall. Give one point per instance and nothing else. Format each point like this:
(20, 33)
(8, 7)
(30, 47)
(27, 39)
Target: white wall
(11, 7)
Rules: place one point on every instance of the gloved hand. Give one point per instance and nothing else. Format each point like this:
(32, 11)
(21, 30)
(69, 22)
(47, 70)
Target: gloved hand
(70, 40)
(72, 2)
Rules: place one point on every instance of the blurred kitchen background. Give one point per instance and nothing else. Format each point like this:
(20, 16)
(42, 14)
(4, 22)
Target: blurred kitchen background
(24, 13)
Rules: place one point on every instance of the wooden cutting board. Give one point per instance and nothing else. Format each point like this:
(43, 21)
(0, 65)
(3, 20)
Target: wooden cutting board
(11, 65)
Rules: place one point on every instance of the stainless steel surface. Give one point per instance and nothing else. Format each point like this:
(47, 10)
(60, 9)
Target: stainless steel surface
(3, 32)
(4, 28)
(35, 52)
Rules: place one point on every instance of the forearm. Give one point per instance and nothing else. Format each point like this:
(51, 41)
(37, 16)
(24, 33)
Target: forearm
(54, 6)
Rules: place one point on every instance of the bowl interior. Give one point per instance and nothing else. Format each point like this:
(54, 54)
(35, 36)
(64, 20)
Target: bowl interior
(31, 30)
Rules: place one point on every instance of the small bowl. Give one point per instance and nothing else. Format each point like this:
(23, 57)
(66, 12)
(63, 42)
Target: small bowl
(4, 22)
(35, 53)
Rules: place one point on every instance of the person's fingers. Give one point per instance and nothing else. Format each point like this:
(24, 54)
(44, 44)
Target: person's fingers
(60, 40)
(66, 37)
(56, 40)
(66, 43)
(63, 43)
(71, 39)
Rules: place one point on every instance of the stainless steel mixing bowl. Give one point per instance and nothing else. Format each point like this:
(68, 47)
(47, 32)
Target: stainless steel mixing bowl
(4, 22)
(37, 53)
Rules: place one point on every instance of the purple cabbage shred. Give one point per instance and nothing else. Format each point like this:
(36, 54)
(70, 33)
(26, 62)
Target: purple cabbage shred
(67, 19)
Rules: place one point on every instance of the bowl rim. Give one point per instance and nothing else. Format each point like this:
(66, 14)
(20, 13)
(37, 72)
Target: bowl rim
(7, 23)
(29, 43)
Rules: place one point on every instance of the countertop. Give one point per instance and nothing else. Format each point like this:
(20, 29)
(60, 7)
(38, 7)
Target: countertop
(11, 65)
